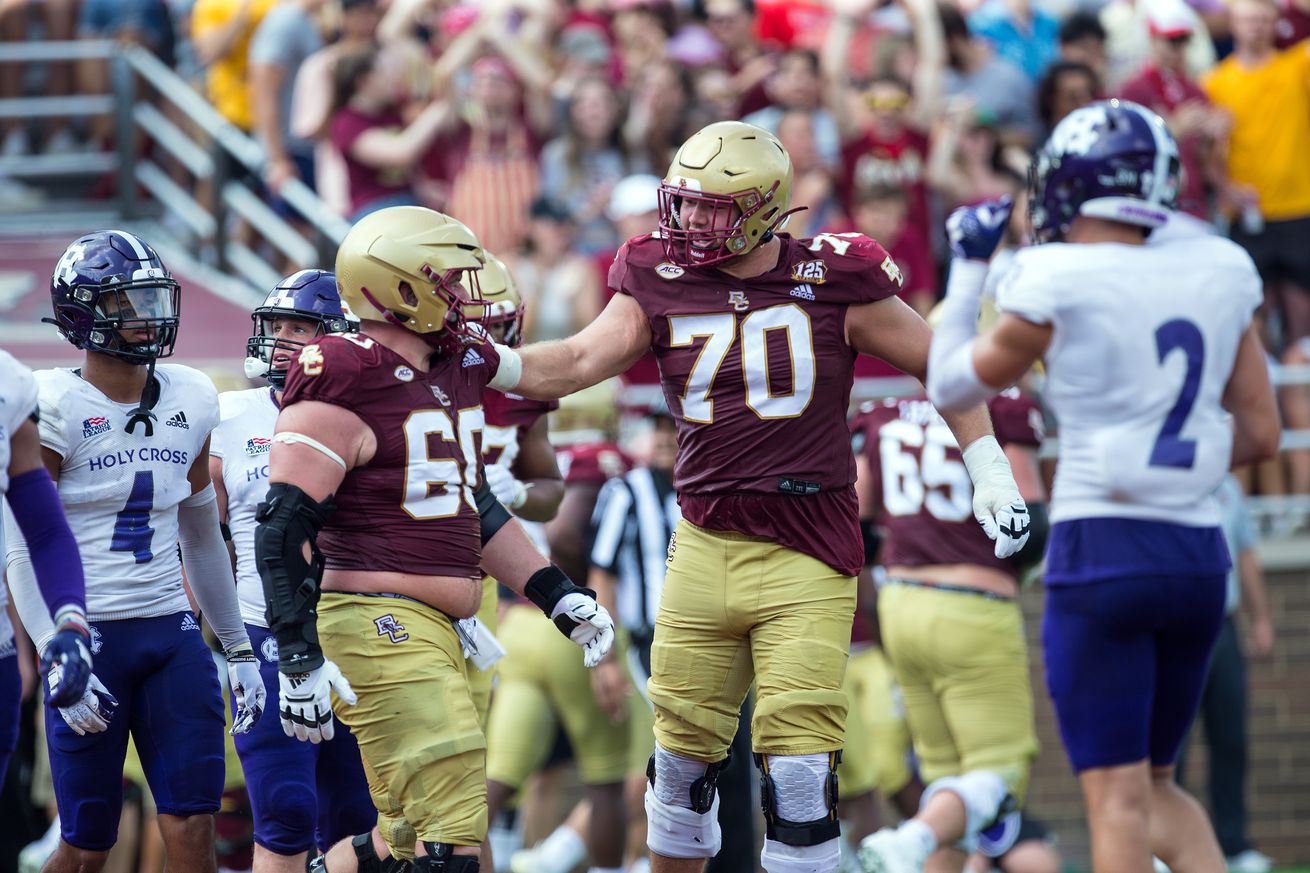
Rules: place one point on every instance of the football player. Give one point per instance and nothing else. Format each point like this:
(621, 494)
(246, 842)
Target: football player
(756, 334)
(518, 460)
(1149, 349)
(950, 624)
(302, 795)
(127, 441)
(54, 558)
(541, 686)
(374, 476)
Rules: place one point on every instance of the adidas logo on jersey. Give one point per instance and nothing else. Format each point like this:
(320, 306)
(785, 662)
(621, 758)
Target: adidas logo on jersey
(472, 358)
(804, 292)
(258, 445)
(189, 623)
(96, 424)
(178, 420)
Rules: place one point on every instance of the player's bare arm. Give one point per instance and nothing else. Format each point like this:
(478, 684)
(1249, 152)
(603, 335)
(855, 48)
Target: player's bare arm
(539, 471)
(304, 430)
(1250, 398)
(605, 348)
(1005, 353)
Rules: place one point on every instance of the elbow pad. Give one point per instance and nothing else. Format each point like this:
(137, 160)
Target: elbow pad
(492, 513)
(289, 519)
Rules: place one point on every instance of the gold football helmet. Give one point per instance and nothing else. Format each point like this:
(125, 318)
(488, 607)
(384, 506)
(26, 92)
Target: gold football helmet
(743, 176)
(587, 416)
(501, 301)
(412, 267)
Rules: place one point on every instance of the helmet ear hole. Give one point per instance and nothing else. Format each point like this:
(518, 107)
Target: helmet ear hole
(407, 294)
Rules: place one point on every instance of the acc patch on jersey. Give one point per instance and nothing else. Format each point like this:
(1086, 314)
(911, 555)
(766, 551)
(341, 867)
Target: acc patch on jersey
(667, 270)
(815, 271)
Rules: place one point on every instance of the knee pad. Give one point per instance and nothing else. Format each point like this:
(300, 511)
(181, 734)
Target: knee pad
(799, 796)
(367, 858)
(985, 795)
(441, 858)
(682, 806)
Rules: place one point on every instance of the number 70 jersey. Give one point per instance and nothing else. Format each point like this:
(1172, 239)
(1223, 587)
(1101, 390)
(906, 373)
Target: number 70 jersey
(1143, 345)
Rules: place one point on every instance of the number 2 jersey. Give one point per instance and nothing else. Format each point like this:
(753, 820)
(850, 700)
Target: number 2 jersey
(410, 509)
(922, 491)
(757, 372)
(1142, 347)
(121, 490)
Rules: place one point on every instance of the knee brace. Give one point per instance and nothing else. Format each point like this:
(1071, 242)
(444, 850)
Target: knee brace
(682, 806)
(798, 794)
(985, 796)
(441, 858)
(366, 857)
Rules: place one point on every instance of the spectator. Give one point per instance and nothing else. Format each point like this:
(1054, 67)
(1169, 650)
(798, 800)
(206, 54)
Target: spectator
(883, 135)
(1267, 91)
(285, 39)
(881, 212)
(1128, 43)
(561, 291)
(641, 33)
(1224, 699)
(1082, 40)
(714, 98)
(1020, 32)
(731, 24)
(369, 132)
(657, 118)
(796, 86)
(966, 163)
(1293, 23)
(138, 22)
(221, 31)
(580, 167)
(974, 71)
(1165, 86)
(1065, 87)
(812, 188)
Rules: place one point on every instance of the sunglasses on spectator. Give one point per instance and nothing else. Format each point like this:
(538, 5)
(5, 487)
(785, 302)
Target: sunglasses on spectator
(887, 101)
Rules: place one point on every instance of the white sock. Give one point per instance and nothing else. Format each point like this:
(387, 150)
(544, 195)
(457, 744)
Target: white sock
(504, 843)
(921, 834)
(561, 851)
(605, 870)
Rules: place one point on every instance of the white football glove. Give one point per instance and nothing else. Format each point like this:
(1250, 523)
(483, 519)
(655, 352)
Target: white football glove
(93, 712)
(247, 688)
(508, 490)
(996, 501)
(306, 702)
(587, 623)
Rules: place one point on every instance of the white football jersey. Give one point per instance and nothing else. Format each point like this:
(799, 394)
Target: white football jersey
(242, 440)
(17, 403)
(121, 490)
(1143, 344)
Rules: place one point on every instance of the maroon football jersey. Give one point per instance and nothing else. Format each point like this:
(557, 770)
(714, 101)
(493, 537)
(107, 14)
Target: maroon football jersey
(509, 417)
(410, 509)
(922, 490)
(758, 375)
(592, 463)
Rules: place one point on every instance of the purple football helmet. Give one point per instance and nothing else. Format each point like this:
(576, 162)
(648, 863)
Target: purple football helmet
(310, 295)
(108, 285)
(1112, 159)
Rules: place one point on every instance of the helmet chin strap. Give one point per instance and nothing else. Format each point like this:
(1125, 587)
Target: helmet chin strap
(149, 397)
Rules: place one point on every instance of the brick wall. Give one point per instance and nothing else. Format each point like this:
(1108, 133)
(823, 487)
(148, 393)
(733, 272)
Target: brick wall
(1279, 793)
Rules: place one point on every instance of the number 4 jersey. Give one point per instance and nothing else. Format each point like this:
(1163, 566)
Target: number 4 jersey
(121, 490)
(1143, 343)
(920, 485)
(758, 374)
(410, 509)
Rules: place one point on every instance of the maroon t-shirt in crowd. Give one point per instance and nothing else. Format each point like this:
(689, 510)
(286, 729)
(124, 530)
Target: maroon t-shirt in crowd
(757, 373)
(1293, 25)
(592, 463)
(1162, 92)
(367, 184)
(871, 161)
(922, 491)
(410, 509)
(508, 419)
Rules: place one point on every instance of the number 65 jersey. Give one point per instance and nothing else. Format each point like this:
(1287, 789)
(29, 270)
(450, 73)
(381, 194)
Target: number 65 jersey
(121, 490)
(757, 372)
(1143, 344)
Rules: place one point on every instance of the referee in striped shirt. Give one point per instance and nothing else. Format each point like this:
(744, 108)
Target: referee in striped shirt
(631, 528)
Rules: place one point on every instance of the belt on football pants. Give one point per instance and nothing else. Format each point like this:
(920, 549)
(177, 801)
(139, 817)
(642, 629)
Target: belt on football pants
(954, 589)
